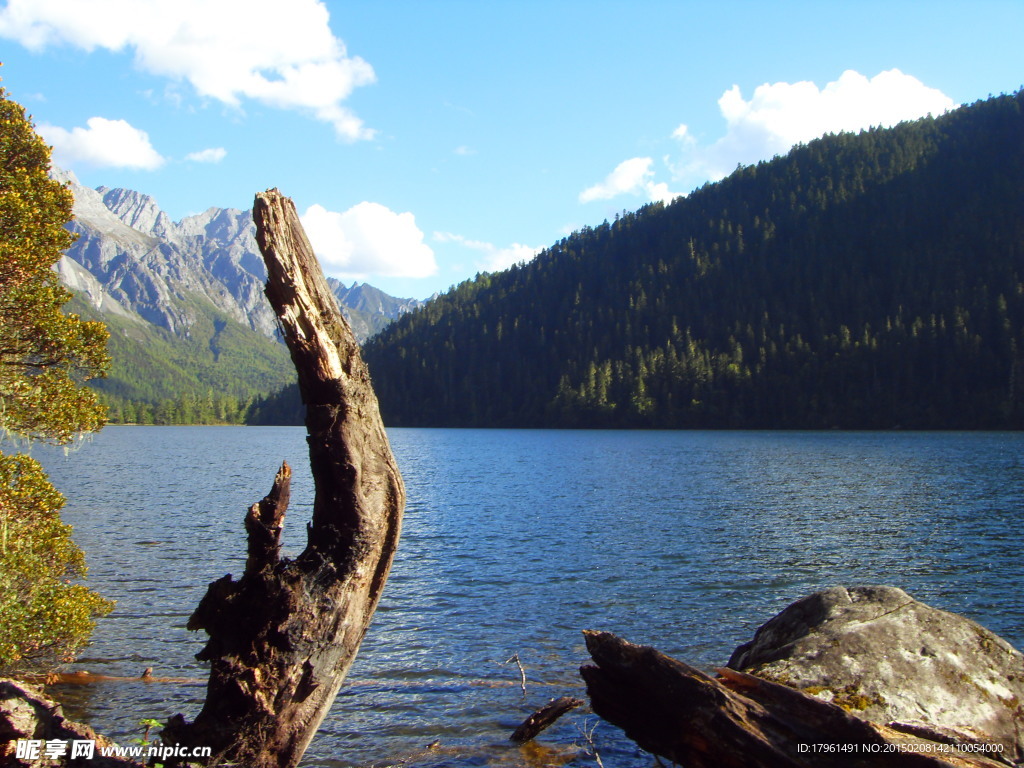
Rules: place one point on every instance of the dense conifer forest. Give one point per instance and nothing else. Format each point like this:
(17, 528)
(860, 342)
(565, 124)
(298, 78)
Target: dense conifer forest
(869, 280)
(217, 375)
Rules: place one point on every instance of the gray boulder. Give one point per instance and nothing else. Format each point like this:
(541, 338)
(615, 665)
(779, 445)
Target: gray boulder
(886, 657)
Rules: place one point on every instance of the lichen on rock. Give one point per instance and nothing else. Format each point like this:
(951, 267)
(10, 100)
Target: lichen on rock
(886, 657)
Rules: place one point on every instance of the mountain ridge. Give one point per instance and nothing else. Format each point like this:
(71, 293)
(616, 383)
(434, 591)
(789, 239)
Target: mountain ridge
(174, 290)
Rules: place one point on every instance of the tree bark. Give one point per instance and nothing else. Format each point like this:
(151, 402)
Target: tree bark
(738, 720)
(282, 637)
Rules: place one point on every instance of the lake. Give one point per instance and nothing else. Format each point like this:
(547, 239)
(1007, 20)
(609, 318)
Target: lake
(515, 541)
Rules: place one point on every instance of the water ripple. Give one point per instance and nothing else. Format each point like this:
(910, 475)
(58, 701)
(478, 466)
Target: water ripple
(515, 541)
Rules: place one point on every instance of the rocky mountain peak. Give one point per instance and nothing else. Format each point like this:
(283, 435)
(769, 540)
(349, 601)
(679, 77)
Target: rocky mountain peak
(137, 210)
(166, 271)
(221, 224)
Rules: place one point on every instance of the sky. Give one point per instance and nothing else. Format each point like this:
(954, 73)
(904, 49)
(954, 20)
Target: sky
(424, 142)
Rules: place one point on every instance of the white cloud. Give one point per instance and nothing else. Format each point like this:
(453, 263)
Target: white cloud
(779, 115)
(211, 155)
(775, 118)
(494, 258)
(368, 239)
(104, 143)
(660, 191)
(632, 177)
(281, 54)
(628, 177)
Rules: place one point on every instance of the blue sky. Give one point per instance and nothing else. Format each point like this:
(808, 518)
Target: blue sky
(426, 141)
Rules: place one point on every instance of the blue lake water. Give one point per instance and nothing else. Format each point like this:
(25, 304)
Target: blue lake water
(515, 541)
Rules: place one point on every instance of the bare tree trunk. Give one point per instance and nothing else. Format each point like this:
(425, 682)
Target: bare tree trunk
(741, 721)
(283, 636)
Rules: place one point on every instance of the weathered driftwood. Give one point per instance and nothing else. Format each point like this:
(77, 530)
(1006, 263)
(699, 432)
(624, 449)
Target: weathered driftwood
(283, 636)
(739, 721)
(544, 718)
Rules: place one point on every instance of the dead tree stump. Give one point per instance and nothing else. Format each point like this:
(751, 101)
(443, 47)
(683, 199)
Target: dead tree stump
(282, 637)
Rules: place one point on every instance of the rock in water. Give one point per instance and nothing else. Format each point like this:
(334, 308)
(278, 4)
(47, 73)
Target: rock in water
(886, 657)
(26, 714)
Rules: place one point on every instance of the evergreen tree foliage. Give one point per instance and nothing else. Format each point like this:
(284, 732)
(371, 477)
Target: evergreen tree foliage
(211, 377)
(281, 408)
(46, 357)
(870, 280)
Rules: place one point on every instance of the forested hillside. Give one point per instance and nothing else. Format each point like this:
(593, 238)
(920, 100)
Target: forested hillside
(861, 281)
(211, 376)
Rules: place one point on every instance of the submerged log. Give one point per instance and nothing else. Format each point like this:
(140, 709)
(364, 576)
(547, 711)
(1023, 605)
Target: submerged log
(740, 721)
(282, 637)
(544, 718)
